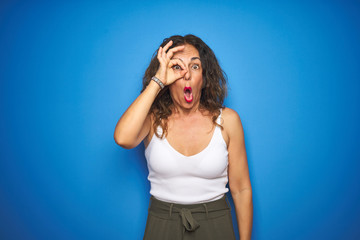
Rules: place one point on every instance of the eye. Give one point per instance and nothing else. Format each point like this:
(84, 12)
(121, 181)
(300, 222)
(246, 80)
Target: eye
(177, 67)
(195, 66)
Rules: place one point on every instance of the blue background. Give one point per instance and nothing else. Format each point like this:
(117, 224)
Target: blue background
(69, 70)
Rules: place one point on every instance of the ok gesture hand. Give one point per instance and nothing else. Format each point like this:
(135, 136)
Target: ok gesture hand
(166, 71)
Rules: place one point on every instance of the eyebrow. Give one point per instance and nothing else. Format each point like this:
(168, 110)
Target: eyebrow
(193, 58)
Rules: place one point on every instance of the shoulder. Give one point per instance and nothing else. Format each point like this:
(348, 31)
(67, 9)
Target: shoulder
(231, 122)
(230, 117)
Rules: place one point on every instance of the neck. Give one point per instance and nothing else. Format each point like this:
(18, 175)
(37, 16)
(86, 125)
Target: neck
(185, 112)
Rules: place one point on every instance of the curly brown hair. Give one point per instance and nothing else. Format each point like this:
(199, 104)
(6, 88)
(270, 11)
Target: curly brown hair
(214, 88)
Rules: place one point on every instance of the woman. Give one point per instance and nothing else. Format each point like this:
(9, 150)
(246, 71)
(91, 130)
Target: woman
(194, 145)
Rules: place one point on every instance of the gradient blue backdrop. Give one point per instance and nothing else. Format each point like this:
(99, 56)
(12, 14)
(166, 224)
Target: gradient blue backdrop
(69, 70)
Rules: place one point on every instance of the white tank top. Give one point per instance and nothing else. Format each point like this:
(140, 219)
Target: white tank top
(182, 179)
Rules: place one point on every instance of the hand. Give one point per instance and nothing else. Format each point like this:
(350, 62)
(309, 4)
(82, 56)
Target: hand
(170, 70)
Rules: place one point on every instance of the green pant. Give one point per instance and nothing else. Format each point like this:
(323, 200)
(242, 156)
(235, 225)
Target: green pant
(171, 221)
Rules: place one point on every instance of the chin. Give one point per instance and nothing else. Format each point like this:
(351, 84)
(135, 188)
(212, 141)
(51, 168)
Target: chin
(184, 104)
(189, 105)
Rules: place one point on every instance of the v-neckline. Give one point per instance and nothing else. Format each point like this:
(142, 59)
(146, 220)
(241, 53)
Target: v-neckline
(196, 154)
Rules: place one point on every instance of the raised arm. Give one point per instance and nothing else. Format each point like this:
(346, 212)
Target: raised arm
(134, 125)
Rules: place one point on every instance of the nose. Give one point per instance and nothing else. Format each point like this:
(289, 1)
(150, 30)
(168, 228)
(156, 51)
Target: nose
(187, 75)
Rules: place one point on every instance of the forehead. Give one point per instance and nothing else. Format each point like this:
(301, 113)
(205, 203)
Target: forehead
(187, 53)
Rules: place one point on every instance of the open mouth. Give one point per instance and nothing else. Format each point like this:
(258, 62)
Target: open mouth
(188, 94)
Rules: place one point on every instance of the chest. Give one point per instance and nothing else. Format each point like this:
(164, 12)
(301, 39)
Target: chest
(197, 150)
(190, 137)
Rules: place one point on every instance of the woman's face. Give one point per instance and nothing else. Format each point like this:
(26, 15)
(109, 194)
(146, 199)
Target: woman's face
(186, 91)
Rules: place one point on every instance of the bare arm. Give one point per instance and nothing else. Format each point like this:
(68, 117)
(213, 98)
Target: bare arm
(134, 125)
(239, 179)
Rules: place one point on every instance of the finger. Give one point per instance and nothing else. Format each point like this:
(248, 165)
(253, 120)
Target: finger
(159, 53)
(176, 49)
(179, 75)
(166, 47)
(174, 62)
(160, 57)
(171, 52)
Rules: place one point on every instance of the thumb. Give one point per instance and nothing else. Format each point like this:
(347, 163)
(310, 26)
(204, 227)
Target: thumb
(179, 74)
(183, 72)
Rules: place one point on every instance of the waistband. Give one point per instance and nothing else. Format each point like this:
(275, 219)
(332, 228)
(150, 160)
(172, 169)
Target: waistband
(185, 210)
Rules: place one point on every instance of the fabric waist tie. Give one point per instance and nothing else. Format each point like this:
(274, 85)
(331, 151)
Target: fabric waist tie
(189, 223)
(185, 210)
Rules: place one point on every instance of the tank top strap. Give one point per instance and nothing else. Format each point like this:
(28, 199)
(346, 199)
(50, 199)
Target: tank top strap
(218, 120)
(159, 130)
(218, 133)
